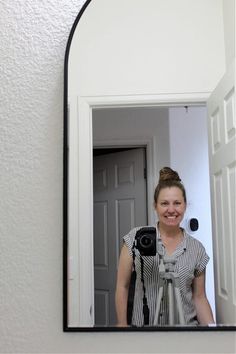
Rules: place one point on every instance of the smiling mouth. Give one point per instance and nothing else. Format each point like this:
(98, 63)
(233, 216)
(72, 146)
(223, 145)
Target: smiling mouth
(172, 217)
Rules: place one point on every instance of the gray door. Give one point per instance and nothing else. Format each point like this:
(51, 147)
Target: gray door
(119, 205)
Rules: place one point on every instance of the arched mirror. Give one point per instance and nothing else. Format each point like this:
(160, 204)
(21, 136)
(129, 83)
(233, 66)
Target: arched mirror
(147, 85)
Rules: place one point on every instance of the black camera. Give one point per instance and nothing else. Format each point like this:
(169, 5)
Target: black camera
(145, 241)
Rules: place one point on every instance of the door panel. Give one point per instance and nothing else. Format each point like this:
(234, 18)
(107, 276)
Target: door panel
(222, 138)
(119, 205)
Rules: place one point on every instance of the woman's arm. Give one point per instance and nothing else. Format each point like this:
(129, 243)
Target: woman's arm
(203, 309)
(122, 286)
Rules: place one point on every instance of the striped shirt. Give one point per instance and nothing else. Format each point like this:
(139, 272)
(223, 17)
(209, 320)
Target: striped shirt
(190, 261)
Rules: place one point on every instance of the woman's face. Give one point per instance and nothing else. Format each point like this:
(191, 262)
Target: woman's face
(170, 206)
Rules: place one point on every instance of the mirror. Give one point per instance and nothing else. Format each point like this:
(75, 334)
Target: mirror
(130, 71)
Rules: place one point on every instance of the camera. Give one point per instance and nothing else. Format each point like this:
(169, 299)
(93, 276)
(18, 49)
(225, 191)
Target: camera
(145, 241)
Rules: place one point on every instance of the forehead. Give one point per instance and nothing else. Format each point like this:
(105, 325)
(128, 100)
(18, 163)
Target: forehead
(170, 193)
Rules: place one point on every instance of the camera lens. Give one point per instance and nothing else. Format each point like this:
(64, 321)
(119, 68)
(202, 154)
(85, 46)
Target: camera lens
(146, 241)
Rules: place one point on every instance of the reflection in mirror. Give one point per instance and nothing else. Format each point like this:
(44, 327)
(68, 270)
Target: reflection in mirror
(127, 116)
(121, 184)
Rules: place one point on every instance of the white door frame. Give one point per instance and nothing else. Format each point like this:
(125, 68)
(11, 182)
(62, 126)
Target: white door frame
(80, 191)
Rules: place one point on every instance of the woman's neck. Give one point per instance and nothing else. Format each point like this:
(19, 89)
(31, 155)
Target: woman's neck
(171, 237)
(170, 232)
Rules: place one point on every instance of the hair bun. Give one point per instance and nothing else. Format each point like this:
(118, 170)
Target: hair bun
(167, 174)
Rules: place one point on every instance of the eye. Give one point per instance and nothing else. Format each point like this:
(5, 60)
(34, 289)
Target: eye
(164, 203)
(178, 203)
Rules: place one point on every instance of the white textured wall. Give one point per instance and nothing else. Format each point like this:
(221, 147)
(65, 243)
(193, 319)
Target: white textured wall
(32, 41)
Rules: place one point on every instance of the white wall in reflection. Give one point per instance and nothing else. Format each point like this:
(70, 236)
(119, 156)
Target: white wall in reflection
(189, 155)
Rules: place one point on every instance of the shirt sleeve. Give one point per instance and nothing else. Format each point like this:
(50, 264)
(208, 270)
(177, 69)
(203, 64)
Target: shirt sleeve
(202, 260)
(129, 239)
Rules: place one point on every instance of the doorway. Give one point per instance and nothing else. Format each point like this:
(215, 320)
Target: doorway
(120, 203)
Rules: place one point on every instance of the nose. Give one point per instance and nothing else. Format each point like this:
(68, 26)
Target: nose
(171, 208)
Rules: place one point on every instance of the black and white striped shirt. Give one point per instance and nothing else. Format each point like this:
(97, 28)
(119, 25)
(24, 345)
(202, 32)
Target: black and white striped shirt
(191, 260)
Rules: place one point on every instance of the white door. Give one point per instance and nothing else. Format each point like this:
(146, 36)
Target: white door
(119, 205)
(222, 151)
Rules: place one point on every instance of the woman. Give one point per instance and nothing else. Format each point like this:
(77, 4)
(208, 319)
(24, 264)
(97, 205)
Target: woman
(190, 260)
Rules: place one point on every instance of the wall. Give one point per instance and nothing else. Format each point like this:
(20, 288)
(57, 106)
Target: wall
(229, 30)
(137, 123)
(189, 156)
(33, 40)
(161, 55)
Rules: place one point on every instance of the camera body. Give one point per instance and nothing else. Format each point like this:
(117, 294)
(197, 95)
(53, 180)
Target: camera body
(146, 241)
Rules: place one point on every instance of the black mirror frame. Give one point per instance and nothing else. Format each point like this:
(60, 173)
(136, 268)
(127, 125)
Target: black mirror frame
(66, 327)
